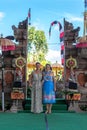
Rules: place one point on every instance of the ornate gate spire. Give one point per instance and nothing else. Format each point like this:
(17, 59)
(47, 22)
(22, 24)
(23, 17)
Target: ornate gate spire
(85, 18)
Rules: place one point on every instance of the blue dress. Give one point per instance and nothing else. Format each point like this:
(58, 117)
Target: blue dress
(48, 89)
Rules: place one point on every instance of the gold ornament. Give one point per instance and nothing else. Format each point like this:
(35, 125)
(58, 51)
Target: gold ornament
(20, 62)
(71, 62)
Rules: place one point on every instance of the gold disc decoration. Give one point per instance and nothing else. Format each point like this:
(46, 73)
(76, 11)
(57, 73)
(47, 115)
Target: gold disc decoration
(20, 62)
(71, 62)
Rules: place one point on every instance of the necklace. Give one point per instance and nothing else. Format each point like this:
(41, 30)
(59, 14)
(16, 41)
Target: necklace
(48, 72)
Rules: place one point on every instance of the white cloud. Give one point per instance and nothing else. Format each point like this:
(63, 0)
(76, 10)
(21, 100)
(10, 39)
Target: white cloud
(1, 15)
(54, 56)
(73, 18)
(68, 16)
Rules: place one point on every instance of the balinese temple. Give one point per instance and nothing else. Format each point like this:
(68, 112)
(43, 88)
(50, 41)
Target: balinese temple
(76, 58)
(13, 81)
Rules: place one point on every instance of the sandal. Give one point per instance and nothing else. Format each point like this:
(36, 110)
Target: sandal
(46, 112)
(49, 112)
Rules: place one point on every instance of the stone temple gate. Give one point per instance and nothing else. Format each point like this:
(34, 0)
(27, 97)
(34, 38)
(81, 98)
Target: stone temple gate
(14, 72)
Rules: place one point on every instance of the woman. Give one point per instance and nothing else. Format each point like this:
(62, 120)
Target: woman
(36, 91)
(49, 88)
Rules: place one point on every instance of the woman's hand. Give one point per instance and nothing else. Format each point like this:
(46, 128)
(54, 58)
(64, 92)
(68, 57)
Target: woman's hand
(42, 82)
(54, 88)
(30, 85)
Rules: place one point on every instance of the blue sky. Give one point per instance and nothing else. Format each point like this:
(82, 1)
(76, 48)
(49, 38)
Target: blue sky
(43, 12)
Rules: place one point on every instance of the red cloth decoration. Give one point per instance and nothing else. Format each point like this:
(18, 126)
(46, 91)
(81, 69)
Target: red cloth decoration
(81, 45)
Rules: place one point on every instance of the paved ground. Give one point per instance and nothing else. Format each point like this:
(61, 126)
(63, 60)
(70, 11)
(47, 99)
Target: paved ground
(55, 121)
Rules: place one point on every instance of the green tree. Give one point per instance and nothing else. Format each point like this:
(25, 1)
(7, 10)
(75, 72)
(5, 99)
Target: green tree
(37, 44)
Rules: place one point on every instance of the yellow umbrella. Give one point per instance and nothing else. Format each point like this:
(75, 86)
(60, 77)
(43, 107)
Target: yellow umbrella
(56, 66)
(31, 65)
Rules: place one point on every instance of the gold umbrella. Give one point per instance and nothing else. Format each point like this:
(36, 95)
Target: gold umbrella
(57, 67)
(31, 65)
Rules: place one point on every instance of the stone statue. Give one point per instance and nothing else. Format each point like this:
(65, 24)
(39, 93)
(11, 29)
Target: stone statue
(20, 33)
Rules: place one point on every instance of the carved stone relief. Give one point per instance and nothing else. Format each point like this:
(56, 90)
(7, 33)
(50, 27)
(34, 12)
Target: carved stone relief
(84, 53)
(9, 77)
(81, 78)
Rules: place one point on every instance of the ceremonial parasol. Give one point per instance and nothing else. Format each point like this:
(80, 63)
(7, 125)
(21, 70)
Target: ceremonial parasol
(5, 45)
(31, 65)
(57, 67)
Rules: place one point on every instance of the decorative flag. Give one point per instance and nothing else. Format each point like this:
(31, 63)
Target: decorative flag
(52, 24)
(61, 38)
(0, 50)
(29, 16)
(85, 3)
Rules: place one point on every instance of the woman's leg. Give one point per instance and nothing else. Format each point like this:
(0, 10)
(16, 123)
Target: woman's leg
(50, 107)
(47, 108)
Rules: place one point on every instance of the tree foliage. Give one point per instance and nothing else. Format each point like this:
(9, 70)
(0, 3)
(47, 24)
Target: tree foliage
(37, 43)
(37, 38)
